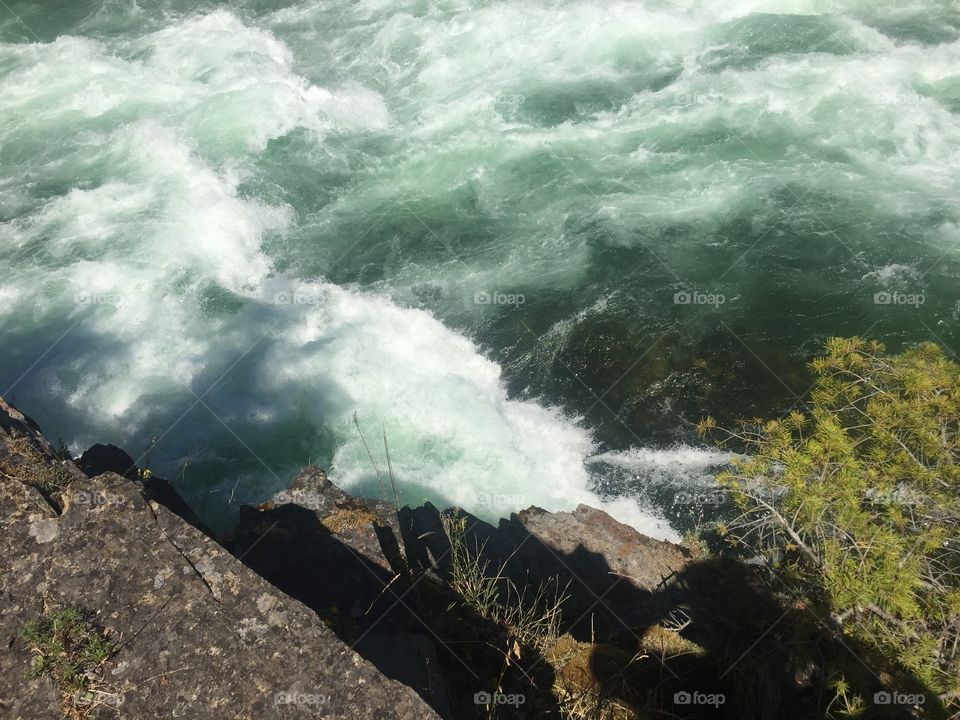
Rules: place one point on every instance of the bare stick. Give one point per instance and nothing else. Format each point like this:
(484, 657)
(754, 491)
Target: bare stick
(369, 454)
(393, 482)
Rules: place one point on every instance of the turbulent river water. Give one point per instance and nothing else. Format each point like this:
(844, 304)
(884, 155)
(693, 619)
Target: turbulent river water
(529, 242)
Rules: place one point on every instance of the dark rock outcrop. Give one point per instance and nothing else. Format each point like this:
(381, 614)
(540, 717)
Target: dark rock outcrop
(314, 532)
(99, 459)
(613, 573)
(394, 573)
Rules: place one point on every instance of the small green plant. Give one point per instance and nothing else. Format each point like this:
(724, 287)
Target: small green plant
(533, 619)
(68, 650)
(62, 450)
(529, 622)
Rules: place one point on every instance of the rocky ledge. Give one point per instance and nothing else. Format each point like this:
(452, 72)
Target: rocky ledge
(116, 601)
(194, 633)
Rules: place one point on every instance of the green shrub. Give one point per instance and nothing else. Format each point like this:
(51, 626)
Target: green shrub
(855, 504)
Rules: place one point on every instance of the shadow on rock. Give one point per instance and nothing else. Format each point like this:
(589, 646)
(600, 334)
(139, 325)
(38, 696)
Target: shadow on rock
(380, 581)
(651, 630)
(643, 631)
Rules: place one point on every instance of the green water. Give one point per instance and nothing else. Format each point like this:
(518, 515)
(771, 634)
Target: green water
(226, 228)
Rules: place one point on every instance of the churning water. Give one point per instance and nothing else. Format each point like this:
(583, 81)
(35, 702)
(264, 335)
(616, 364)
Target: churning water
(529, 242)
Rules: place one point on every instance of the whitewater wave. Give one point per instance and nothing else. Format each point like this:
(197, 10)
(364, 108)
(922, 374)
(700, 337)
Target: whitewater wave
(228, 235)
(179, 337)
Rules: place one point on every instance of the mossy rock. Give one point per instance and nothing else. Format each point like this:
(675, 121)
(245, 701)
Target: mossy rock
(668, 643)
(349, 519)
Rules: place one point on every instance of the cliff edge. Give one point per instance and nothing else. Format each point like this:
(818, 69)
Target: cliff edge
(113, 606)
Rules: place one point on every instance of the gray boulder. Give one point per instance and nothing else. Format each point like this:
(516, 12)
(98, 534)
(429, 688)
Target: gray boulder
(195, 633)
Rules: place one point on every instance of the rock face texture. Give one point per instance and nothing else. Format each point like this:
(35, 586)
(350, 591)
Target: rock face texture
(392, 600)
(641, 560)
(326, 605)
(312, 533)
(616, 575)
(195, 633)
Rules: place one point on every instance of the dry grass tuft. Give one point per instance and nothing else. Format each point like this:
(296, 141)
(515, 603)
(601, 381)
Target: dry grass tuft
(25, 463)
